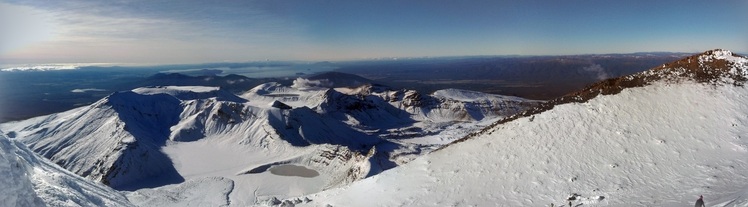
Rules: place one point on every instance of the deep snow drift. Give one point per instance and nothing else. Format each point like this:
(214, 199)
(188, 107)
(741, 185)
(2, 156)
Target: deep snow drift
(29, 180)
(678, 133)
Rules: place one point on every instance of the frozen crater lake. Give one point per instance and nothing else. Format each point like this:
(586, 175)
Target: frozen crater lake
(293, 170)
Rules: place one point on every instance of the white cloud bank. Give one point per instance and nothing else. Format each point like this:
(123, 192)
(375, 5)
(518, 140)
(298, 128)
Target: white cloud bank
(45, 67)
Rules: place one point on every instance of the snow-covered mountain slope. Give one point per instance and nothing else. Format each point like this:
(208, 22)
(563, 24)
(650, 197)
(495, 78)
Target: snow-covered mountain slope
(30, 180)
(115, 141)
(476, 105)
(658, 138)
(471, 96)
(151, 137)
(376, 107)
(189, 138)
(402, 116)
(118, 140)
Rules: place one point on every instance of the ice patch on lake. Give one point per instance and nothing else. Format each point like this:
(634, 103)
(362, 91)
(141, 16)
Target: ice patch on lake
(293, 170)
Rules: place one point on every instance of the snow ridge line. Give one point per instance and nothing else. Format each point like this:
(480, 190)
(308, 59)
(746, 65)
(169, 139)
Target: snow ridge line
(715, 67)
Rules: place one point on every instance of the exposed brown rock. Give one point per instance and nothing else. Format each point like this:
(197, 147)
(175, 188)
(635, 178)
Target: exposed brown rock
(704, 68)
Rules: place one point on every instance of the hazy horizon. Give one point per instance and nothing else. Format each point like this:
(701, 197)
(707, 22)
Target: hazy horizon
(75, 65)
(192, 32)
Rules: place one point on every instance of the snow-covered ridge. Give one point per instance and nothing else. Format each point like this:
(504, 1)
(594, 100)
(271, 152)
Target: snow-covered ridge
(271, 87)
(714, 67)
(442, 106)
(174, 90)
(117, 140)
(30, 180)
(472, 96)
(189, 92)
(721, 54)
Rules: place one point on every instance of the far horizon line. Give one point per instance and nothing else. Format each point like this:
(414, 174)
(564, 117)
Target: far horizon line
(125, 64)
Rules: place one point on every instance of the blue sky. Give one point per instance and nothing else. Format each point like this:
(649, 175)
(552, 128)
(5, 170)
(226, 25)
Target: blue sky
(160, 31)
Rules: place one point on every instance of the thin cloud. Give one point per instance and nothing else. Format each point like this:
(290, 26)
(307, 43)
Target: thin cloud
(22, 26)
(92, 31)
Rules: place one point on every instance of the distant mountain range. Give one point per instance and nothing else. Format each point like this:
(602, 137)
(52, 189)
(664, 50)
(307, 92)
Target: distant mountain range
(535, 77)
(35, 93)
